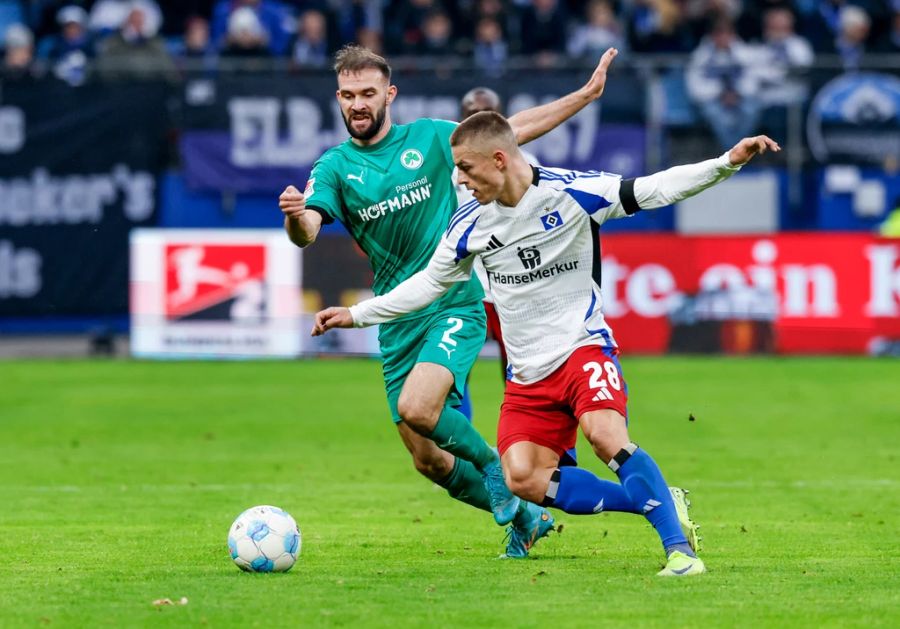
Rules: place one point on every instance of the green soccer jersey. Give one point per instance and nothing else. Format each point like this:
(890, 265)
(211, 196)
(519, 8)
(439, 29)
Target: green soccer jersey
(396, 199)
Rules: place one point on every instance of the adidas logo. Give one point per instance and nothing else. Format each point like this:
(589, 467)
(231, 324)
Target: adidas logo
(493, 243)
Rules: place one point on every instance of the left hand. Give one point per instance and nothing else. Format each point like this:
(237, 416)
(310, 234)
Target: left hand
(595, 85)
(331, 318)
(748, 148)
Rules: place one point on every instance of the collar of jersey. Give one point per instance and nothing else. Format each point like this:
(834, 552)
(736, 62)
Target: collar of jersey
(506, 210)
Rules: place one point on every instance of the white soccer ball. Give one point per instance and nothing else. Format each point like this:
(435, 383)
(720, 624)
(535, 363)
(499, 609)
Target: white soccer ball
(264, 539)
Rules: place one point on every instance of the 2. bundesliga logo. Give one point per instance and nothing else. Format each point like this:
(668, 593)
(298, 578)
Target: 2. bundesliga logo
(212, 281)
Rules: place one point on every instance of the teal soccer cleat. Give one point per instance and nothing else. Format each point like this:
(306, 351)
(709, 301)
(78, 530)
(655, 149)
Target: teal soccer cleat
(504, 503)
(528, 527)
(688, 526)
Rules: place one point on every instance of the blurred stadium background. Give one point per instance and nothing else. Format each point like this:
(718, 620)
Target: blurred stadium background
(142, 148)
(117, 115)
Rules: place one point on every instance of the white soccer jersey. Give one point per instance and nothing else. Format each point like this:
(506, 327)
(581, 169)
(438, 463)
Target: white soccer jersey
(463, 196)
(542, 259)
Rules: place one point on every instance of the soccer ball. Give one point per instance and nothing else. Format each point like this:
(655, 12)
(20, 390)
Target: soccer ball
(264, 539)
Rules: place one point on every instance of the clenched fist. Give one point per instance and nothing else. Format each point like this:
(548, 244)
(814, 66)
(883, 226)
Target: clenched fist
(292, 202)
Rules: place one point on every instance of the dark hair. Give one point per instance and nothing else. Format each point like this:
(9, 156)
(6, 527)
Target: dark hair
(488, 125)
(353, 58)
(479, 99)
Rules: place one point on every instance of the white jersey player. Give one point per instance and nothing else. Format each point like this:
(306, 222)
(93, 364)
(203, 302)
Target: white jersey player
(535, 230)
(476, 100)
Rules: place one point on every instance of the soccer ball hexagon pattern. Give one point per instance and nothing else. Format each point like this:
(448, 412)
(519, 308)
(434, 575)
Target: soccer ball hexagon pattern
(264, 539)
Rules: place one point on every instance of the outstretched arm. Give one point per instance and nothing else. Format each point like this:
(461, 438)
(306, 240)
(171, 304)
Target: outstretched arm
(535, 122)
(680, 182)
(410, 295)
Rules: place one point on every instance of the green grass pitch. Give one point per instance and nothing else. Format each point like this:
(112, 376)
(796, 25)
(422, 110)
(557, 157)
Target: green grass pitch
(119, 481)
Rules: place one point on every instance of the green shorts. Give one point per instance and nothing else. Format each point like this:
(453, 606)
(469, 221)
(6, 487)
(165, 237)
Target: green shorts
(451, 337)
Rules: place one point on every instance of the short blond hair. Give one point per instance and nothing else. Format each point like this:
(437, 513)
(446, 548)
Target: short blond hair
(485, 127)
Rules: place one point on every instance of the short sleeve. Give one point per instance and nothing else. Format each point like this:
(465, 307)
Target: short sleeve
(444, 129)
(323, 192)
(598, 194)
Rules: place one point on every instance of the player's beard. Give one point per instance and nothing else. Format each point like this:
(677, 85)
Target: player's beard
(373, 128)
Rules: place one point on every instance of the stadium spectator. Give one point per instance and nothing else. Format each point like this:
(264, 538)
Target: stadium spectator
(490, 51)
(437, 33)
(782, 51)
(177, 15)
(69, 51)
(246, 37)
(699, 14)
(310, 48)
(371, 39)
(600, 31)
(544, 31)
(271, 15)
(721, 79)
(348, 18)
(657, 26)
(195, 48)
(135, 52)
(749, 24)
(854, 25)
(197, 41)
(18, 57)
(822, 25)
(108, 16)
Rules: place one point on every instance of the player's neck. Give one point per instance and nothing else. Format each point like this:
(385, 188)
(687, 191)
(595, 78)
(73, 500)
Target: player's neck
(378, 137)
(518, 180)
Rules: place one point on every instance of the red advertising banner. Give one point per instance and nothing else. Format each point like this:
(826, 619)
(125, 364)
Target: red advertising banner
(789, 293)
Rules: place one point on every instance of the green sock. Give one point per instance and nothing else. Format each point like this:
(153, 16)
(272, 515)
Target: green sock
(464, 483)
(457, 436)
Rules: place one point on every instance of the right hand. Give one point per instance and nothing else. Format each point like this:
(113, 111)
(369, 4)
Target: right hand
(746, 149)
(331, 318)
(596, 84)
(292, 203)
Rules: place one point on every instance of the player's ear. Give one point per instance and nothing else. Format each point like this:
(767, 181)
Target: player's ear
(391, 93)
(501, 160)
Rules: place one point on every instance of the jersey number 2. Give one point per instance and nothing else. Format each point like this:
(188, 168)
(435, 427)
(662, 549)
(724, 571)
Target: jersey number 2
(448, 343)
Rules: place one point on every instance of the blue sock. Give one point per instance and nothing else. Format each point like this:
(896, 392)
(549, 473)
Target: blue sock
(465, 406)
(650, 495)
(580, 492)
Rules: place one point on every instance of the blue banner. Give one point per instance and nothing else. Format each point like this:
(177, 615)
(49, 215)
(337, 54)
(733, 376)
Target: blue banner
(259, 135)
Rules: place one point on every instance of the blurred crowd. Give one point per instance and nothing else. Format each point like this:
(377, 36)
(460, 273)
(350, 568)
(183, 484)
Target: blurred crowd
(742, 53)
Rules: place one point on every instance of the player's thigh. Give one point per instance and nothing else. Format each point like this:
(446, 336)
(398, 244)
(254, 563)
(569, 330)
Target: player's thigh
(400, 343)
(405, 344)
(537, 414)
(454, 339)
(429, 459)
(594, 381)
(424, 393)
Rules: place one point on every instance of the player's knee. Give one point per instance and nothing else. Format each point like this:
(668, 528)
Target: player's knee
(521, 481)
(417, 413)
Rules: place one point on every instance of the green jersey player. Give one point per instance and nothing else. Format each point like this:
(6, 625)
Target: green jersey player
(391, 187)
